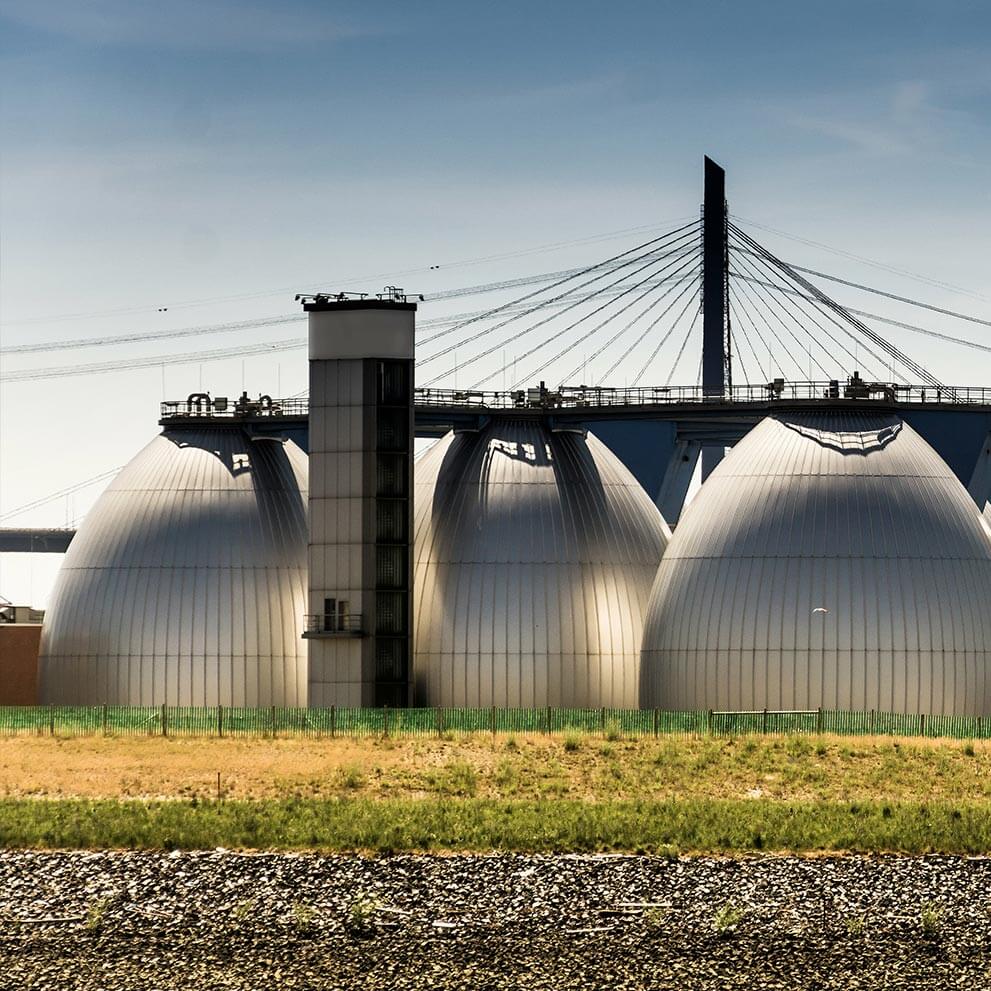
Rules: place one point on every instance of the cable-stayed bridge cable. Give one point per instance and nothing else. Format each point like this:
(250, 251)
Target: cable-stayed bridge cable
(654, 245)
(772, 307)
(663, 341)
(681, 351)
(894, 352)
(816, 313)
(650, 327)
(690, 279)
(546, 320)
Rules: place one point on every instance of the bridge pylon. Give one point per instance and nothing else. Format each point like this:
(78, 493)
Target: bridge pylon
(717, 358)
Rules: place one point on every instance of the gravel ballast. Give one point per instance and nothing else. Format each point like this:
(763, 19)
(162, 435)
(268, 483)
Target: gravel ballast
(75, 920)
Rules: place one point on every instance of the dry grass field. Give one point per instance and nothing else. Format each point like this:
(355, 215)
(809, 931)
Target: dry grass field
(558, 767)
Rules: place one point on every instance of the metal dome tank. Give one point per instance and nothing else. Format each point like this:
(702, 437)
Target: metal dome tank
(830, 560)
(534, 556)
(185, 584)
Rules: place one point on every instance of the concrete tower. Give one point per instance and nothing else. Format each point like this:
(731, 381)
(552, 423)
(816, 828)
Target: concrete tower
(359, 625)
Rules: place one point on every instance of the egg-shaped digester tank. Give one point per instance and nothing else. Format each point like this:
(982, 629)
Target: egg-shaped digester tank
(534, 555)
(830, 560)
(186, 582)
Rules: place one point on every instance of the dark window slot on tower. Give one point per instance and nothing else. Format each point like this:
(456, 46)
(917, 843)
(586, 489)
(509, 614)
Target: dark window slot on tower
(391, 660)
(391, 524)
(394, 383)
(391, 569)
(392, 429)
(392, 475)
(390, 613)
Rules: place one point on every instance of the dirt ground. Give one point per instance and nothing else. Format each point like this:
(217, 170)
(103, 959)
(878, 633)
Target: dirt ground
(483, 766)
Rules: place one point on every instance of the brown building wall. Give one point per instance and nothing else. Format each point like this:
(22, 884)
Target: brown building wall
(19, 645)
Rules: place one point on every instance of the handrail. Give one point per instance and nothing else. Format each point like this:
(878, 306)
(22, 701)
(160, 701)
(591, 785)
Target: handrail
(587, 397)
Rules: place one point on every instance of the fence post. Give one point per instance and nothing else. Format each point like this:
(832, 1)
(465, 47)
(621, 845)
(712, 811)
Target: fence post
(547, 722)
(819, 721)
(492, 719)
(708, 722)
(104, 718)
(922, 724)
(271, 716)
(333, 721)
(763, 723)
(165, 722)
(220, 721)
(873, 729)
(980, 729)
(602, 719)
(51, 719)
(439, 717)
(657, 718)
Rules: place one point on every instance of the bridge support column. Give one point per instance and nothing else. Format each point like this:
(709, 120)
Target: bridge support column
(677, 478)
(980, 481)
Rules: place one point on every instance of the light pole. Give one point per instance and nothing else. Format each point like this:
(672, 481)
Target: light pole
(823, 612)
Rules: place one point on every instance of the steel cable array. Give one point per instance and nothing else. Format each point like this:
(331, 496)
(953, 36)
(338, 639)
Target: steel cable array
(773, 308)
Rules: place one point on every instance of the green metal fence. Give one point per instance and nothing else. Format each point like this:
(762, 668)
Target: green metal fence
(221, 721)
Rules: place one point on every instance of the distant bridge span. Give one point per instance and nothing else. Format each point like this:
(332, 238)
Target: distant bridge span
(657, 432)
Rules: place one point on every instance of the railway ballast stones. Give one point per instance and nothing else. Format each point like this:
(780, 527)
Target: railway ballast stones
(77, 920)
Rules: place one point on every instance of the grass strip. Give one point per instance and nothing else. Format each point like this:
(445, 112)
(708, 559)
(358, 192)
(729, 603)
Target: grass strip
(385, 826)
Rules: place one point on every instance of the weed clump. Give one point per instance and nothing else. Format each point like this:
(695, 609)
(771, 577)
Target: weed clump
(572, 741)
(930, 918)
(96, 913)
(613, 730)
(351, 777)
(360, 915)
(727, 917)
(304, 918)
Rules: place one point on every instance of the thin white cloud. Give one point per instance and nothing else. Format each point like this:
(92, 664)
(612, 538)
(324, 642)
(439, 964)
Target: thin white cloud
(906, 118)
(179, 24)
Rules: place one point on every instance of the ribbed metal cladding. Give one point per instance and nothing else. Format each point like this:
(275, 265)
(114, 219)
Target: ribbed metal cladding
(534, 556)
(831, 560)
(185, 584)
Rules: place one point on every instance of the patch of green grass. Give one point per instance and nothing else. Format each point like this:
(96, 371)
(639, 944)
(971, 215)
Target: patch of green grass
(96, 913)
(385, 825)
(930, 918)
(245, 909)
(360, 914)
(613, 730)
(855, 924)
(728, 917)
(572, 741)
(304, 917)
(457, 778)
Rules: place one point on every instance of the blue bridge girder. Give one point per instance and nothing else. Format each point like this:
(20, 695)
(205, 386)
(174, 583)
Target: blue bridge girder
(657, 433)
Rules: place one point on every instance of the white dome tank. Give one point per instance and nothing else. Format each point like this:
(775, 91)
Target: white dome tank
(830, 560)
(186, 583)
(534, 556)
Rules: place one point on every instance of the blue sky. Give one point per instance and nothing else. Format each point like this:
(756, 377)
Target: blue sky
(159, 154)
